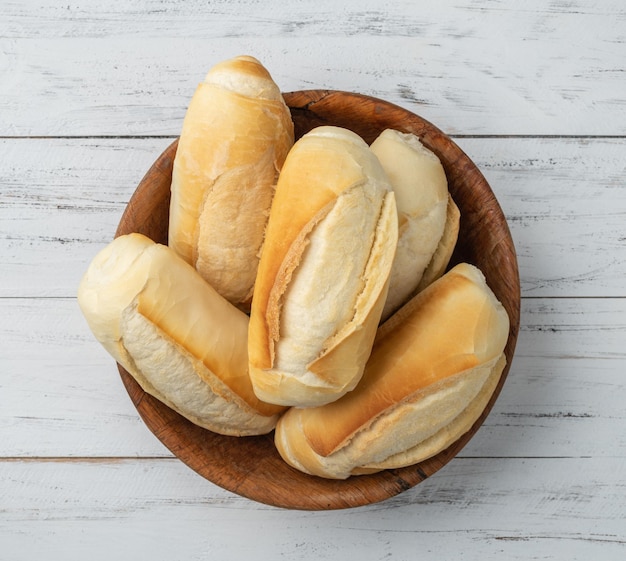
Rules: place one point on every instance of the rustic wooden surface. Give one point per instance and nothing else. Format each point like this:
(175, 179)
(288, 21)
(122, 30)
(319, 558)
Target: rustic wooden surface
(533, 92)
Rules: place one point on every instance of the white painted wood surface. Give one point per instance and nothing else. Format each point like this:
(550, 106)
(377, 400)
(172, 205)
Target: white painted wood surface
(534, 92)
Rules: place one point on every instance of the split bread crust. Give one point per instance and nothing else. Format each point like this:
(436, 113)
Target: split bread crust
(434, 367)
(428, 218)
(181, 341)
(235, 136)
(323, 275)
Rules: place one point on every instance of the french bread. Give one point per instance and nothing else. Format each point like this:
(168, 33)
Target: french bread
(428, 218)
(324, 269)
(433, 368)
(235, 136)
(182, 341)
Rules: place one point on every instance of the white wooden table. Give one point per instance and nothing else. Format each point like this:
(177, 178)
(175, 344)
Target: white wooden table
(535, 92)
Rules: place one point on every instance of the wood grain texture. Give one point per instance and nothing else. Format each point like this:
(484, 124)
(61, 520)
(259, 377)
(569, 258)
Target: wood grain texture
(61, 395)
(543, 478)
(60, 202)
(566, 207)
(564, 200)
(524, 509)
(89, 18)
(472, 68)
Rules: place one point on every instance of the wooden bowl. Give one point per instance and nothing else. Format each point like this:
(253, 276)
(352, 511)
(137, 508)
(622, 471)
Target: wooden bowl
(251, 466)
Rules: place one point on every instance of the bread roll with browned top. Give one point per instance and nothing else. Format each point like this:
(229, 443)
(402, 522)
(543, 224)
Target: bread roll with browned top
(235, 137)
(428, 218)
(182, 341)
(324, 270)
(434, 366)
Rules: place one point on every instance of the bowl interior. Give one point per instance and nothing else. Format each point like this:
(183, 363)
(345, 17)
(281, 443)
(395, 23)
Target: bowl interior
(251, 466)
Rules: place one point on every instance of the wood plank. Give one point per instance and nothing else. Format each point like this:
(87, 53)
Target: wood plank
(60, 389)
(61, 394)
(566, 206)
(367, 17)
(553, 61)
(61, 200)
(559, 397)
(563, 509)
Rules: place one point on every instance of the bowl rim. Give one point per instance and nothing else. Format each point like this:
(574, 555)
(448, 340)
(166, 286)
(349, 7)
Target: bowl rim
(216, 457)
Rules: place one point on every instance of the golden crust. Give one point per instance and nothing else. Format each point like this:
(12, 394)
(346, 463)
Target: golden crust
(321, 167)
(448, 334)
(235, 137)
(141, 295)
(446, 435)
(301, 200)
(419, 182)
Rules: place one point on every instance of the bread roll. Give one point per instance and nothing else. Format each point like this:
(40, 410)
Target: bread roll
(428, 218)
(324, 269)
(181, 341)
(235, 136)
(445, 249)
(434, 366)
